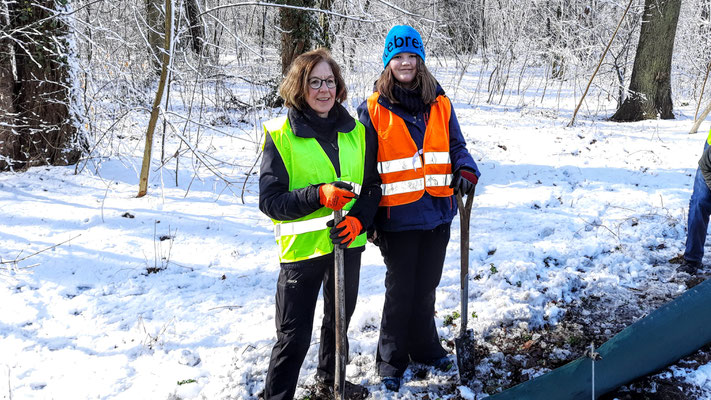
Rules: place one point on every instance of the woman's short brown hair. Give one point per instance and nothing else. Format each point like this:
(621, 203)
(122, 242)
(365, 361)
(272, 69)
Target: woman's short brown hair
(295, 85)
(423, 79)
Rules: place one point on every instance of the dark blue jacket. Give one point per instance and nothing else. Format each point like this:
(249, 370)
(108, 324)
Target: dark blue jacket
(428, 212)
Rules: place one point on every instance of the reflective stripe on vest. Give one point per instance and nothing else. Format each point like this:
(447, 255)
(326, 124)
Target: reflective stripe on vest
(296, 228)
(310, 225)
(306, 163)
(414, 162)
(437, 157)
(403, 164)
(406, 172)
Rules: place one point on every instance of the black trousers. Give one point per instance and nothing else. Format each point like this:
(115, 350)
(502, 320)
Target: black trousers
(297, 292)
(414, 261)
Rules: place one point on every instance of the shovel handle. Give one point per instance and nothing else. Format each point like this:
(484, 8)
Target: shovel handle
(464, 217)
(339, 381)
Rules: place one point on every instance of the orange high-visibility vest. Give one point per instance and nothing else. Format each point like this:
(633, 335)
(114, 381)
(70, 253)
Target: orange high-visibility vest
(407, 173)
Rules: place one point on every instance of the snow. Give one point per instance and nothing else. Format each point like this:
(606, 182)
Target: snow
(559, 213)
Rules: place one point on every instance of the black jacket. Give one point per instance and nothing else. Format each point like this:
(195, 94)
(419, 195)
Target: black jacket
(275, 199)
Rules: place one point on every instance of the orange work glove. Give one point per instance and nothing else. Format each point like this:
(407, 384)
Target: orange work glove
(335, 195)
(345, 232)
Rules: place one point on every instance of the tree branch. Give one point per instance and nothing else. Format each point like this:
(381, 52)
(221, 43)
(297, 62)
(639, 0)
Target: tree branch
(265, 4)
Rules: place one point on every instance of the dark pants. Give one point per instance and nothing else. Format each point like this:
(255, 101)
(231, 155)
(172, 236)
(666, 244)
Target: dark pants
(698, 223)
(414, 261)
(296, 296)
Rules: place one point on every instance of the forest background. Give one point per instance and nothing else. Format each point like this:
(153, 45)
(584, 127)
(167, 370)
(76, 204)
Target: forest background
(73, 73)
(93, 84)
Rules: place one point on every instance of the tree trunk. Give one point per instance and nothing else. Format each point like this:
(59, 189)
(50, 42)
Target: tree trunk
(8, 148)
(197, 29)
(463, 24)
(155, 21)
(650, 84)
(46, 130)
(298, 31)
(554, 28)
(482, 30)
(325, 24)
(148, 149)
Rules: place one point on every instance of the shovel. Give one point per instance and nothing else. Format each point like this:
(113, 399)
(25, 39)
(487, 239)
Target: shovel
(464, 342)
(339, 381)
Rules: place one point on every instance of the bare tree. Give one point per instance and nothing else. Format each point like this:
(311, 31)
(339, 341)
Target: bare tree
(298, 30)
(324, 21)
(197, 28)
(44, 129)
(155, 110)
(464, 24)
(7, 109)
(650, 83)
(155, 22)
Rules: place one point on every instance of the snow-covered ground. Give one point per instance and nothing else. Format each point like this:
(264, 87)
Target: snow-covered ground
(560, 213)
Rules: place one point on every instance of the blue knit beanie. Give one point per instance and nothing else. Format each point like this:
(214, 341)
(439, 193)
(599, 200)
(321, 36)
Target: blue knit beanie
(402, 39)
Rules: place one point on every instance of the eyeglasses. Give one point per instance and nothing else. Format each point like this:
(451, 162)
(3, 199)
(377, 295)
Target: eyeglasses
(315, 83)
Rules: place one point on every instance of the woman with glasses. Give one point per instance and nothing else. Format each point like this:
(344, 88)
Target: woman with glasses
(316, 160)
(423, 162)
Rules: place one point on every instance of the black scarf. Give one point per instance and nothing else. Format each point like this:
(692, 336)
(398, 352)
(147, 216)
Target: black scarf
(410, 99)
(307, 123)
(322, 126)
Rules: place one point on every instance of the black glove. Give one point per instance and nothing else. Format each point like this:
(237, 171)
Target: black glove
(464, 181)
(373, 236)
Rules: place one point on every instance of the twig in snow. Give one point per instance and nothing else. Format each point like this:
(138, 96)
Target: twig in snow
(227, 307)
(248, 347)
(9, 387)
(598, 224)
(151, 341)
(106, 193)
(17, 260)
(249, 173)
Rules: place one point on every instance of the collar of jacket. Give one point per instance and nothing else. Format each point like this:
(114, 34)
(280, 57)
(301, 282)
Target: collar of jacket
(307, 124)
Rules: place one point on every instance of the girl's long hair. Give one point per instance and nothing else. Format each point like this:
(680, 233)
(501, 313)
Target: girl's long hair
(423, 80)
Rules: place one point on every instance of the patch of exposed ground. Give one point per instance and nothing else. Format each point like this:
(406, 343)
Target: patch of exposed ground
(508, 356)
(514, 355)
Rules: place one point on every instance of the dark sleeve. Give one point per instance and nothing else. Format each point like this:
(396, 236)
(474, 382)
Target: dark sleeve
(367, 204)
(275, 199)
(364, 117)
(705, 165)
(458, 152)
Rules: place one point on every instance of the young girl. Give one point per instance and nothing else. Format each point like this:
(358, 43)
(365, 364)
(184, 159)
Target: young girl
(423, 162)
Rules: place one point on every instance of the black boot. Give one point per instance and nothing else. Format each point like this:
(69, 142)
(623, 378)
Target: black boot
(324, 391)
(689, 267)
(392, 383)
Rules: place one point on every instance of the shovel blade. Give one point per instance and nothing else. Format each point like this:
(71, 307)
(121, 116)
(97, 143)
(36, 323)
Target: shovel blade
(466, 357)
